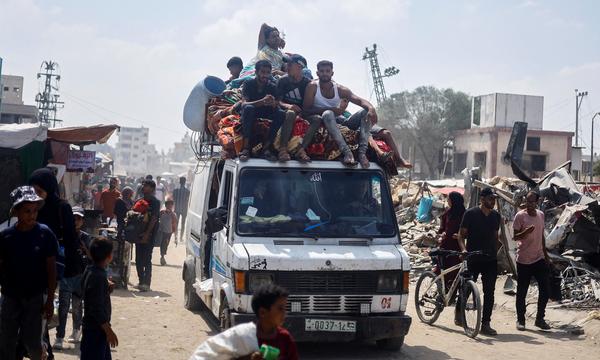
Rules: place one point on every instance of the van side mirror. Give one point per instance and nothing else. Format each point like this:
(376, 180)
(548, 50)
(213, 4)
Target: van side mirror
(216, 220)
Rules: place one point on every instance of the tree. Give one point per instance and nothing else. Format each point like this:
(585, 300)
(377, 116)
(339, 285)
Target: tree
(425, 118)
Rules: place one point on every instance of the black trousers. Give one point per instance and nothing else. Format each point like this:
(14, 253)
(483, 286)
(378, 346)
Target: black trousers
(489, 273)
(539, 270)
(21, 319)
(94, 345)
(143, 262)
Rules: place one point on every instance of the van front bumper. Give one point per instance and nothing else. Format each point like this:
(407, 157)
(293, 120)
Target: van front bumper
(371, 327)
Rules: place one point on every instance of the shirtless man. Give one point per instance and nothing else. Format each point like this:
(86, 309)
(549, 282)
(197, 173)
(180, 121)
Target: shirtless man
(328, 100)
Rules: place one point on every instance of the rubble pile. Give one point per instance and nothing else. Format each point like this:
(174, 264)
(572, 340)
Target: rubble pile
(572, 228)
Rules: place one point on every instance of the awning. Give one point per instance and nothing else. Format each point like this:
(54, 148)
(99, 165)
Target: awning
(15, 136)
(82, 135)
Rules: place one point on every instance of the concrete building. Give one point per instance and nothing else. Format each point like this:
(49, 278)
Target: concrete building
(131, 151)
(12, 108)
(182, 151)
(485, 143)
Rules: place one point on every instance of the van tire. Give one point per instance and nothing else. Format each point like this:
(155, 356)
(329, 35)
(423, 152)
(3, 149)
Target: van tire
(391, 344)
(224, 314)
(191, 300)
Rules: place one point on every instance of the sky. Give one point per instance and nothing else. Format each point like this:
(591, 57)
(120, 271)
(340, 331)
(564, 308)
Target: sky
(134, 63)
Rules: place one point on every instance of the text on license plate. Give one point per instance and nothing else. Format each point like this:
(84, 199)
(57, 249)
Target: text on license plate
(329, 325)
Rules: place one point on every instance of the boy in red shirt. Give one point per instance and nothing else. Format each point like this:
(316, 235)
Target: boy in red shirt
(269, 304)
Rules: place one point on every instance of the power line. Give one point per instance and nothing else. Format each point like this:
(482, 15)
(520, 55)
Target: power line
(149, 125)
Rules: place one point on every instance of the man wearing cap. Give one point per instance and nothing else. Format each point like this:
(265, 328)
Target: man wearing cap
(290, 93)
(28, 252)
(480, 227)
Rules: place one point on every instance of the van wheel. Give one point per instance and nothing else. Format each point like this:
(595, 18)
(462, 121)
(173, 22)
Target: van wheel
(191, 300)
(224, 315)
(391, 344)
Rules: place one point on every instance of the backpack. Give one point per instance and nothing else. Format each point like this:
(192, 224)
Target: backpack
(134, 227)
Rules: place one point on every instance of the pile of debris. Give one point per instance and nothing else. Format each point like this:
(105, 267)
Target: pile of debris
(572, 228)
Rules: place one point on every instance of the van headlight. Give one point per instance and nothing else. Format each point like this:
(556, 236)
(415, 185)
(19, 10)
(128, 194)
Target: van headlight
(387, 282)
(259, 279)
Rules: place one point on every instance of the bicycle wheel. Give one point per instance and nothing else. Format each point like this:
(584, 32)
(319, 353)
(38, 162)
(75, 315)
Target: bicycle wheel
(470, 302)
(428, 298)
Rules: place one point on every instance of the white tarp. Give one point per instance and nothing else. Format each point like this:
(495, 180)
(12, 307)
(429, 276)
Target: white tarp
(232, 343)
(15, 136)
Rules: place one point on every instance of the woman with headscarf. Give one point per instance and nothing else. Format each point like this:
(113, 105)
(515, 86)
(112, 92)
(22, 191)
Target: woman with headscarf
(449, 227)
(58, 216)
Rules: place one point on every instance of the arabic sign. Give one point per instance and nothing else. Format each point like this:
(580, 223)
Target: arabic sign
(81, 161)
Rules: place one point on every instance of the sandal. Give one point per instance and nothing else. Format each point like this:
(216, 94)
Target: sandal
(244, 155)
(348, 159)
(302, 156)
(284, 156)
(268, 155)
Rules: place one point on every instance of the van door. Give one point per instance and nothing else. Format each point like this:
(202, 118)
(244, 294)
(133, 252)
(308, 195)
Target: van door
(221, 271)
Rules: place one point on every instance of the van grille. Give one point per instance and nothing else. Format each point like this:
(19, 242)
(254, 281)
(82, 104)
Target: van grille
(314, 304)
(328, 282)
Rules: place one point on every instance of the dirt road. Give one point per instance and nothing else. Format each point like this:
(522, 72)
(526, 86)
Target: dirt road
(155, 325)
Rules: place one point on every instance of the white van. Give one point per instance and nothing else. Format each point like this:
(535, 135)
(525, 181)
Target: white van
(325, 232)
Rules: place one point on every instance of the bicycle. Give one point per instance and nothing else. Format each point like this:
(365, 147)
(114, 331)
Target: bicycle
(430, 303)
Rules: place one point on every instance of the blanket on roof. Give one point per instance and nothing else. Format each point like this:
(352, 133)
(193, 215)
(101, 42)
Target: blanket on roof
(223, 122)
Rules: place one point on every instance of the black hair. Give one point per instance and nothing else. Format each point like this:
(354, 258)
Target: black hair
(148, 177)
(269, 30)
(235, 61)
(100, 249)
(182, 180)
(266, 296)
(537, 196)
(261, 64)
(457, 209)
(324, 63)
(150, 183)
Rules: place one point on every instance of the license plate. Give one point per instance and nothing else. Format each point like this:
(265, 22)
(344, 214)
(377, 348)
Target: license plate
(330, 325)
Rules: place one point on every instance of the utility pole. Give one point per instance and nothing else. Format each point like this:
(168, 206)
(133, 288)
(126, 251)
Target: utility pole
(48, 103)
(371, 55)
(1, 87)
(578, 99)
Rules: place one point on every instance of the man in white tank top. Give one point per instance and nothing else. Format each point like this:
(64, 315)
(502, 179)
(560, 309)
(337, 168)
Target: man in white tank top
(329, 100)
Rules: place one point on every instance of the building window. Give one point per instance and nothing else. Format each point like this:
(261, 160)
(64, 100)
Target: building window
(477, 110)
(533, 144)
(460, 162)
(480, 159)
(16, 89)
(6, 88)
(538, 162)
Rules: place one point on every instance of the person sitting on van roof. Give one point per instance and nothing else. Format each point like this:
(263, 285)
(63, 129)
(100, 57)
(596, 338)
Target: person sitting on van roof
(259, 101)
(235, 66)
(290, 93)
(329, 100)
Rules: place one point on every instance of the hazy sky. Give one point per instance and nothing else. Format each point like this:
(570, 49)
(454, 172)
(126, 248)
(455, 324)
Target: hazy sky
(134, 62)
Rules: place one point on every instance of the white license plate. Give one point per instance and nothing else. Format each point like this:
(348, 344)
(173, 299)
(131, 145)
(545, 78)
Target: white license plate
(329, 325)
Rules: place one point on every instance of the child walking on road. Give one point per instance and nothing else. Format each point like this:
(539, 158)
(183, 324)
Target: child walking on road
(98, 336)
(28, 253)
(168, 226)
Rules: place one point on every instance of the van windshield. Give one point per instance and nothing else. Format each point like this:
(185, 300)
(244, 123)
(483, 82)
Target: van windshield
(322, 203)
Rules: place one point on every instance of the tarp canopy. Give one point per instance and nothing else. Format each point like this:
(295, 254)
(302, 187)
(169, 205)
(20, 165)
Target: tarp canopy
(82, 135)
(15, 136)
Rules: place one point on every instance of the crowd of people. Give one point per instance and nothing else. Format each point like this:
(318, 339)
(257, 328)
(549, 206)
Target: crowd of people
(476, 229)
(279, 88)
(46, 249)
